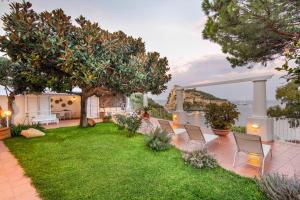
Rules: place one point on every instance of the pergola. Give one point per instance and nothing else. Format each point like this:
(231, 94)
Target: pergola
(258, 123)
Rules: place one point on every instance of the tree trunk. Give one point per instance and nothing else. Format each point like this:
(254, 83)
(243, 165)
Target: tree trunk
(11, 99)
(83, 109)
(86, 93)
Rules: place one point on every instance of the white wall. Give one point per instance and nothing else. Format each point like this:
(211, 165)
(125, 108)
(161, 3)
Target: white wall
(75, 107)
(19, 108)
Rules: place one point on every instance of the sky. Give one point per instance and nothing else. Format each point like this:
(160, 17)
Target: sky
(174, 29)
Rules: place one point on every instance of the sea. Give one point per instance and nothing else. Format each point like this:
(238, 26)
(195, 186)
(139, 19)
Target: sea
(244, 107)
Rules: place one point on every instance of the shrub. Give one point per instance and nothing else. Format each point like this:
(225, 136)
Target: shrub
(221, 116)
(200, 159)
(238, 129)
(120, 121)
(276, 186)
(16, 129)
(133, 123)
(107, 118)
(158, 140)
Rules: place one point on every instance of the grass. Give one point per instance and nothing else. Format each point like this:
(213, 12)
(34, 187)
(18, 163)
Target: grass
(102, 163)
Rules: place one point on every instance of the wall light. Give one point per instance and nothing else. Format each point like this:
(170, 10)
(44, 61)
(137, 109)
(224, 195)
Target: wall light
(7, 113)
(174, 116)
(255, 126)
(73, 99)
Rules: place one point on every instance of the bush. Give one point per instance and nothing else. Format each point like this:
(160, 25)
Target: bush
(158, 140)
(133, 123)
(16, 129)
(276, 186)
(221, 116)
(120, 121)
(238, 129)
(200, 159)
(107, 118)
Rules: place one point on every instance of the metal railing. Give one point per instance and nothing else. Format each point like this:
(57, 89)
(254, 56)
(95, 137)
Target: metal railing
(283, 130)
(160, 113)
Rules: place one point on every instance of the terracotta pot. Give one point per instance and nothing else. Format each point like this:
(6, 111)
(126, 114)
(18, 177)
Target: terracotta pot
(220, 132)
(5, 133)
(146, 115)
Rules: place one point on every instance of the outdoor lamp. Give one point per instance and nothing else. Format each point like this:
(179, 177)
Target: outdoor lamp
(255, 126)
(7, 114)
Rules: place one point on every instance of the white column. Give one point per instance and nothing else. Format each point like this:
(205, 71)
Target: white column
(145, 100)
(128, 104)
(259, 123)
(259, 98)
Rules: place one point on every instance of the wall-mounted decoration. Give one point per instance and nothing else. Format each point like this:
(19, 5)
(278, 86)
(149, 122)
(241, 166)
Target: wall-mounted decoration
(63, 105)
(70, 102)
(60, 100)
(56, 101)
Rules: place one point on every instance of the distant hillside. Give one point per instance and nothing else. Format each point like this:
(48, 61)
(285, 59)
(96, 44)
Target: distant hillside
(193, 100)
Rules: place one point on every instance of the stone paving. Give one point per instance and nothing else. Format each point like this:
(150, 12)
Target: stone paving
(285, 156)
(14, 185)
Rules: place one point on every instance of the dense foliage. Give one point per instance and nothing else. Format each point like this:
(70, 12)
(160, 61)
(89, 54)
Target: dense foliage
(238, 129)
(289, 97)
(255, 31)
(133, 123)
(200, 159)
(158, 140)
(120, 121)
(280, 187)
(52, 52)
(17, 129)
(221, 116)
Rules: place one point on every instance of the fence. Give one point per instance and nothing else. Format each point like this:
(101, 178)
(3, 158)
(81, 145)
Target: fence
(283, 131)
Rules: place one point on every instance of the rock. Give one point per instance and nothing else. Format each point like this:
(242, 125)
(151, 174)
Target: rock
(91, 122)
(30, 133)
(193, 100)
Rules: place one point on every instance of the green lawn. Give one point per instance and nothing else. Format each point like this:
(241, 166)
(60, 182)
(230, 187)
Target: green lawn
(102, 163)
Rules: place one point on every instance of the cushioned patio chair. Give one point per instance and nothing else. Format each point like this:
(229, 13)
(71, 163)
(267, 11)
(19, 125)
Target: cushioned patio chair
(252, 145)
(166, 126)
(195, 134)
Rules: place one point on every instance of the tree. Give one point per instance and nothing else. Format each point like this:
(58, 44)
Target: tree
(256, 31)
(14, 80)
(289, 97)
(80, 55)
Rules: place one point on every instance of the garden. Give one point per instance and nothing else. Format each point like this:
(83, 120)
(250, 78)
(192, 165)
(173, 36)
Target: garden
(102, 162)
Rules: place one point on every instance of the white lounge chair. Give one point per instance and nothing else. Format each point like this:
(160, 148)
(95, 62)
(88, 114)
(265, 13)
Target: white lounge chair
(166, 126)
(195, 133)
(251, 144)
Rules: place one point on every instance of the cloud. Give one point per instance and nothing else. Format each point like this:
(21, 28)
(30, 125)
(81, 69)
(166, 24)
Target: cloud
(214, 67)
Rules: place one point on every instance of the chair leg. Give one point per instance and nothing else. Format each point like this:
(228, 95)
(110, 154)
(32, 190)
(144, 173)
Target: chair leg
(234, 159)
(263, 166)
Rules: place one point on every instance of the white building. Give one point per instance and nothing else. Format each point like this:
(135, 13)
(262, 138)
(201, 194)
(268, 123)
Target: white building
(63, 105)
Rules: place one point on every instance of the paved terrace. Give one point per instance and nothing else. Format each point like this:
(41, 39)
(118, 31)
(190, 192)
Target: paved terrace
(285, 159)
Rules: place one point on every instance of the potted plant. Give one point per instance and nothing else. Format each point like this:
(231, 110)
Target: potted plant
(221, 117)
(146, 109)
(4, 131)
(107, 118)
